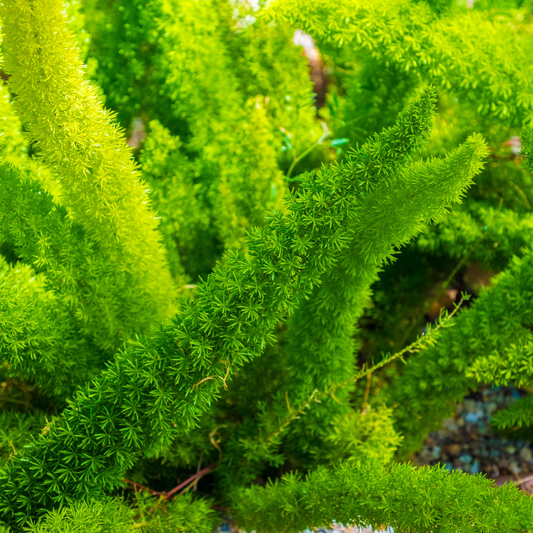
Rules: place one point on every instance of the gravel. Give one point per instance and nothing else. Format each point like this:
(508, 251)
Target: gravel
(467, 442)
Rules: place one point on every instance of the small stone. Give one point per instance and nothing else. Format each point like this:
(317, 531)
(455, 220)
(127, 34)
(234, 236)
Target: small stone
(453, 449)
(510, 450)
(482, 428)
(448, 466)
(475, 467)
(491, 407)
(465, 458)
(494, 453)
(515, 468)
(460, 422)
(504, 463)
(525, 454)
(527, 487)
(425, 455)
(470, 417)
(450, 425)
(471, 430)
(436, 452)
(471, 406)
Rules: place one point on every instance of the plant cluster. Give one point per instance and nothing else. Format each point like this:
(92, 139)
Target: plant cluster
(225, 230)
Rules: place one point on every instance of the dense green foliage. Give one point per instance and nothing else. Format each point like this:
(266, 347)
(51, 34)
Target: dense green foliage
(422, 500)
(219, 238)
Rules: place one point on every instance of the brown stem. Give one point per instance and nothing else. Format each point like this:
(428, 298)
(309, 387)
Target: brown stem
(142, 487)
(166, 495)
(199, 474)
